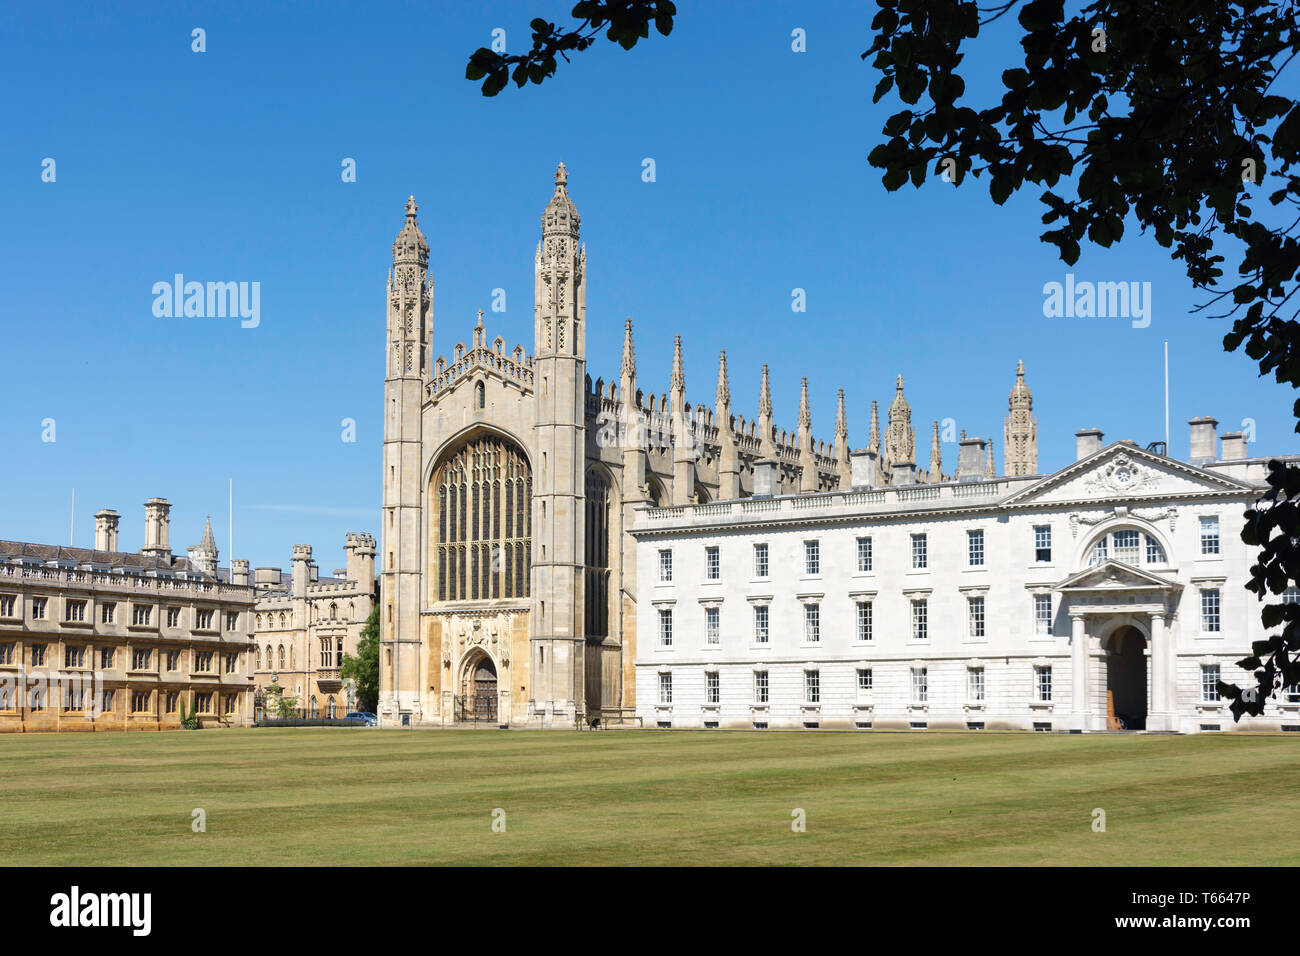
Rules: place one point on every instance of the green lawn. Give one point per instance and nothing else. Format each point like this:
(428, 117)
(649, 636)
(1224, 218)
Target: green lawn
(339, 796)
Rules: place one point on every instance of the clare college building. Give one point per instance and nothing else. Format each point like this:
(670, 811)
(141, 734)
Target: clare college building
(557, 549)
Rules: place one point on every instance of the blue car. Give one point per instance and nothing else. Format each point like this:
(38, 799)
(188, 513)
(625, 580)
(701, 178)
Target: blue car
(365, 718)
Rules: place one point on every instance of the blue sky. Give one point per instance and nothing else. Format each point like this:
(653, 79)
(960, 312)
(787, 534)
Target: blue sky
(226, 165)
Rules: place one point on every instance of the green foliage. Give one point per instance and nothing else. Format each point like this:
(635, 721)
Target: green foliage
(189, 718)
(624, 21)
(277, 703)
(363, 669)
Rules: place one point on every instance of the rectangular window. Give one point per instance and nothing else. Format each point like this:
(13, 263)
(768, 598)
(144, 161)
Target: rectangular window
(812, 687)
(975, 548)
(232, 620)
(7, 652)
(106, 704)
(712, 688)
(203, 662)
(665, 565)
(6, 605)
(920, 685)
(140, 615)
(1126, 546)
(203, 620)
(760, 560)
(713, 625)
(173, 660)
(140, 702)
(864, 680)
(1042, 614)
(1210, 609)
(1210, 683)
(812, 557)
(74, 611)
(760, 624)
(864, 554)
(1155, 553)
(812, 623)
(232, 663)
(975, 684)
(203, 703)
(920, 620)
(106, 657)
(107, 613)
(173, 617)
(38, 655)
(229, 702)
(920, 558)
(1043, 682)
(1043, 543)
(665, 688)
(39, 606)
(665, 627)
(864, 620)
(712, 563)
(140, 659)
(1210, 535)
(1291, 595)
(760, 687)
(74, 656)
(74, 698)
(171, 702)
(975, 616)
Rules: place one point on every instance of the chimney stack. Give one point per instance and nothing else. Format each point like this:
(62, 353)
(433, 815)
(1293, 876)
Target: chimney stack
(157, 518)
(904, 473)
(971, 456)
(1234, 446)
(765, 478)
(1205, 443)
(1087, 441)
(239, 573)
(106, 530)
(301, 569)
(864, 468)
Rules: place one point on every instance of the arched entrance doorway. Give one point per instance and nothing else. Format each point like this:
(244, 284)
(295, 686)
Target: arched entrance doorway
(478, 692)
(1126, 680)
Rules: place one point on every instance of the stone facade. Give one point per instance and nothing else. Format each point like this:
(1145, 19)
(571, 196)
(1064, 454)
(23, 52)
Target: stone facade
(99, 639)
(512, 483)
(303, 624)
(1107, 595)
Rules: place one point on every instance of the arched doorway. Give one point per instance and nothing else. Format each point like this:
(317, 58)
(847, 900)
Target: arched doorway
(1126, 680)
(479, 689)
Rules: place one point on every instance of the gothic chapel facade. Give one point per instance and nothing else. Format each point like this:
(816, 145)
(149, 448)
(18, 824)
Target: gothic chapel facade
(511, 483)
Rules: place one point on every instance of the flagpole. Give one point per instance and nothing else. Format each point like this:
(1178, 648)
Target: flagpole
(1167, 448)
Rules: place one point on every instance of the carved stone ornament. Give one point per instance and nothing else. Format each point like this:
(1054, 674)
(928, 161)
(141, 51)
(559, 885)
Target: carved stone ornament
(1122, 476)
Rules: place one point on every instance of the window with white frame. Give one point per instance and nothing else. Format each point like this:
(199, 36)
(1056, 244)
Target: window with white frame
(712, 563)
(1210, 534)
(1291, 595)
(7, 605)
(760, 560)
(1043, 682)
(760, 687)
(864, 554)
(74, 610)
(920, 685)
(712, 625)
(864, 620)
(812, 557)
(812, 686)
(712, 687)
(141, 614)
(665, 627)
(1293, 694)
(1100, 552)
(975, 616)
(1043, 543)
(864, 680)
(812, 623)
(107, 612)
(1155, 553)
(666, 565)
(975, 547)
(1210, 683)
(920, 619)
(1210, 609)
(760, 623)
(1126, 545)
(665, 688)
(975, 684)
(920, 558)
(1042, 614)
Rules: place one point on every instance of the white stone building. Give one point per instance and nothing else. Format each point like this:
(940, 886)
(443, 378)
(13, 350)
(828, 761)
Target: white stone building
(1109, 594)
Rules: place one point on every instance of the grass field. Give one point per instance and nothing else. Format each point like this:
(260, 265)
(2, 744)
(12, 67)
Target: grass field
(376, 797)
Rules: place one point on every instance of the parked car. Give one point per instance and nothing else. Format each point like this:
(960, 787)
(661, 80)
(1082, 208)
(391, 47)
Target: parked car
(363, 717)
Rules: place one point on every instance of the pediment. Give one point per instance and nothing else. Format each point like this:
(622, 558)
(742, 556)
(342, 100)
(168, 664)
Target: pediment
(1122, 472)
(1115, 576)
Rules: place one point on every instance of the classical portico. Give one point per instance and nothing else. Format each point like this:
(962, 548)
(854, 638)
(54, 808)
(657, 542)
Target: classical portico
(1119, 629)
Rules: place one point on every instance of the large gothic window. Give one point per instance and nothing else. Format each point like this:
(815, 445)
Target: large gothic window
(596, 591)
(484, 522)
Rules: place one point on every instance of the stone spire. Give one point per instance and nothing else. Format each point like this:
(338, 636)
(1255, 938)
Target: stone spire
(629, 355)
(765, 396)
(204, 555)
(678, 383)
(936, 456)
(843, 469)
(208, 542)
(723, 398)
(766, 441)
(990, 469)
(873, 438)
(1020, 432)
(900, 439)
(805, 414)
(841, 423)
(808, 477)
(560, 285)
